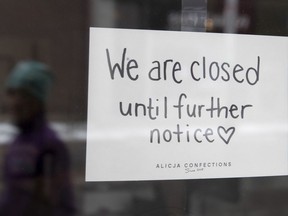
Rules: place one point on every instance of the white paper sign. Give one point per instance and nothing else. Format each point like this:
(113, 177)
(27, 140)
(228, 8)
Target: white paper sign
(182, 105)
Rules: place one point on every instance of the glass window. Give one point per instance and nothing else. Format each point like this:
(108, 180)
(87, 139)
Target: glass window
(43, 121)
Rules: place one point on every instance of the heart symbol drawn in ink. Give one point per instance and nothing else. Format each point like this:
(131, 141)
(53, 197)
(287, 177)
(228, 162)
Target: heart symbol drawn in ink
(228, 133)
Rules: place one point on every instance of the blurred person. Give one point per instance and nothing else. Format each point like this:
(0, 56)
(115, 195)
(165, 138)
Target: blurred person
(36, 164)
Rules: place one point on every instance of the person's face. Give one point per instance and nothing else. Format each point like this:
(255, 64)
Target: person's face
(22, 106)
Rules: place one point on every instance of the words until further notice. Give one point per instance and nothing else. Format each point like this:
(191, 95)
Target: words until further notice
(214, 109)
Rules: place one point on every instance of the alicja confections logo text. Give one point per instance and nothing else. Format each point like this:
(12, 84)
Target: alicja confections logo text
(192, 167)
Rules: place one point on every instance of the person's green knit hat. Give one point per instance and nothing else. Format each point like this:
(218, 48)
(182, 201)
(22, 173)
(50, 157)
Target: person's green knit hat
(33, 77)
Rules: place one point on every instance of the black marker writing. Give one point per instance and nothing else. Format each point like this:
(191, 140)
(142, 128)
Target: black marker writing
(132, 64)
